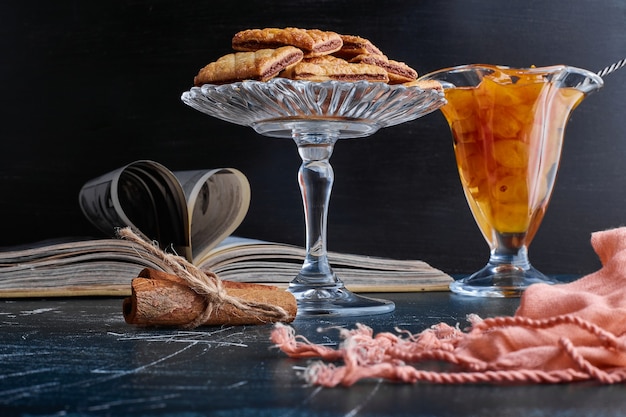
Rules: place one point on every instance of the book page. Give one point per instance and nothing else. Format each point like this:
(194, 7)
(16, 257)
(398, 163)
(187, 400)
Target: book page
(143, 195)
(252, 260)
(217, 200)
(73, 268)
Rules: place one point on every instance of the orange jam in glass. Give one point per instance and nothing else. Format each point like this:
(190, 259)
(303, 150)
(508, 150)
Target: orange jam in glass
(508, 131)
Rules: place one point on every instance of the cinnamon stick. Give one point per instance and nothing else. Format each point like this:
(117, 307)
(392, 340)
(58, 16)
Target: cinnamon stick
(162, 299)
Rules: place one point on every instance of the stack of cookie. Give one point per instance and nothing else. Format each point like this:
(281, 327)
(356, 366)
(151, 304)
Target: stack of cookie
(303, 54)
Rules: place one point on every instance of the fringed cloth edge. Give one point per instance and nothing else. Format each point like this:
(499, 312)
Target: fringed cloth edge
(396, 357)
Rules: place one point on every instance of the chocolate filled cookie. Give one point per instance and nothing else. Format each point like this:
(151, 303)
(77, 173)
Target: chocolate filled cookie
(355, 45)
(335, 70)
(398, 72)
(313, 42)
(261, 65)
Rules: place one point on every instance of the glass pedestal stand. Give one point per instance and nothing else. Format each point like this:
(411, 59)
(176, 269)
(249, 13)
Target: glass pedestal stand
(315, 115)
(317, 289)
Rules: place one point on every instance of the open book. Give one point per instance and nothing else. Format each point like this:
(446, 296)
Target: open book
(193, 213)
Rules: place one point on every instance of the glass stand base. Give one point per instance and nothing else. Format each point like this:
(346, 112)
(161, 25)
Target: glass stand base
(500, 281)
(336, 300)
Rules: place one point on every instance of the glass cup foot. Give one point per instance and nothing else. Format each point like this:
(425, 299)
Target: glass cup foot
(336, 300)
(500, 281)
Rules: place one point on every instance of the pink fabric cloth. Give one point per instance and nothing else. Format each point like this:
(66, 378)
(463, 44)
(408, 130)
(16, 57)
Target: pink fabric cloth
(560, 333)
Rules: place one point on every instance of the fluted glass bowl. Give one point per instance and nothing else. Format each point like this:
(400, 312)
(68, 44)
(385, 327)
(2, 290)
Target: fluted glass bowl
(355, 109)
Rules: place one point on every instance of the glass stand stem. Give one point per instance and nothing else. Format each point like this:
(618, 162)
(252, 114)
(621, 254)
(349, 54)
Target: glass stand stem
(317, 289)
(315, 178)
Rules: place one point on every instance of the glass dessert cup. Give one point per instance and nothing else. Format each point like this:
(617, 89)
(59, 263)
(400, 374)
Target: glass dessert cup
(315, 116)
(508, 126)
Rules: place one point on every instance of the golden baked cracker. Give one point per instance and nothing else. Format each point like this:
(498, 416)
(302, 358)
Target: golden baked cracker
(355, 45)
(313, 42)
(398, 72)
(261, 65)
(339, 72)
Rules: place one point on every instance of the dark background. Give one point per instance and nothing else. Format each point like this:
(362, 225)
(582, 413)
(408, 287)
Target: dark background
(89, 86)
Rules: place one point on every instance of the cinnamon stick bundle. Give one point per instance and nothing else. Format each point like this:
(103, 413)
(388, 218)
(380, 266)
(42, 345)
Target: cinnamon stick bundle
(163, 299)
